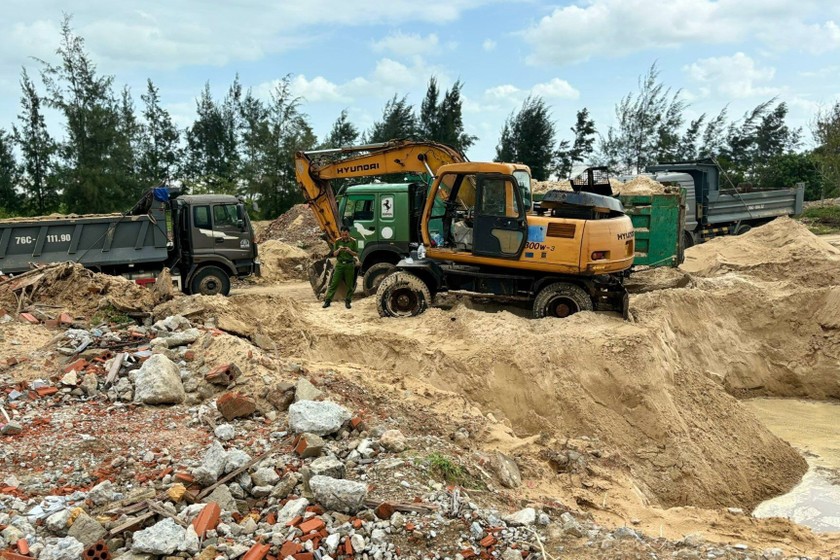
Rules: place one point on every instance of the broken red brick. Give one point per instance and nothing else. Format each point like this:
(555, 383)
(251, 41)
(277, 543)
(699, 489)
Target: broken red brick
(348, 547)
(409, 526)
(65, 319)
(257, 552)
(488, 541)
(289, 548)
(189, 355)
(303, 556)
(23, 547)
(294, 521)
(235, 405)
(357, 523)
(9, 555)
(224, 374)
(29, 318)
(97, 551)
(271, 518)
(356, 422)
(51, 323)
(468, 553)
(78, 365)
(208, 519)
(314, 524)
(184, 477)
(384, 510)
(316, 509)
(46, 391)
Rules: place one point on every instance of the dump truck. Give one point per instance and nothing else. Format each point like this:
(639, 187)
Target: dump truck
(478, 237)
(715, 207)
(203, 239)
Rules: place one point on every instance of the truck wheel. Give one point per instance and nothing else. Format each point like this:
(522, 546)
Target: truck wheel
(742, 229)
(688, 239)
(374, 276)
(210, 281)
(561, 300)
(402, 295)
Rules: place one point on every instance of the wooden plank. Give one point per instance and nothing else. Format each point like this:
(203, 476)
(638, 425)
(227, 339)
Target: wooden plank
(115, 368)
(131, 523)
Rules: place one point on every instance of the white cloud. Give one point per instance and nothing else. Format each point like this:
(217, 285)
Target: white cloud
(619, 27)
(557, 89)
(400, 44)
(317, 89)
(488, 45)
(735, 76)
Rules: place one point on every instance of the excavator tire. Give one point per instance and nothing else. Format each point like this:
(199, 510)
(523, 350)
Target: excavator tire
(561, 300)
(374, 276)
(402, 295)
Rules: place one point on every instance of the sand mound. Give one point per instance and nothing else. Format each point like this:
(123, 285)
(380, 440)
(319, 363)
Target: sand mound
(296, 227)
(281, 261)
(81, 292)
(783, 250)
(542, 187)
(640, 185)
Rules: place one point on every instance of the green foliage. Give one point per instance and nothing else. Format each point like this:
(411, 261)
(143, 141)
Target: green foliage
(10, 202)
(822, 220)
(826, 131)
(442, 121)
(447, 469)
(398, 122)
(110, 314)
(159, 150)
(582, 146)
(343, 133)
(648, 125)
(528, 137)
(787, 170)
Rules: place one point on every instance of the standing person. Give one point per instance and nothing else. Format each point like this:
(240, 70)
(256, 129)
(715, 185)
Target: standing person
(345, 251)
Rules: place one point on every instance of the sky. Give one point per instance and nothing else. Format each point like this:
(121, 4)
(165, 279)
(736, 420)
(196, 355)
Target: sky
(356, 55)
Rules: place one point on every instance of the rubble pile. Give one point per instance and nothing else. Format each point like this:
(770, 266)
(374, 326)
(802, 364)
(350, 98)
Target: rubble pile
(296, 227)
(281, 261)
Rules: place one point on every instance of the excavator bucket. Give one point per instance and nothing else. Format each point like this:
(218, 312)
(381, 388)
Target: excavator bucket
(320, 272)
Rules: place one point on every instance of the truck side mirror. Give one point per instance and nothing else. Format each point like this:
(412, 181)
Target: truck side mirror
(240, 224)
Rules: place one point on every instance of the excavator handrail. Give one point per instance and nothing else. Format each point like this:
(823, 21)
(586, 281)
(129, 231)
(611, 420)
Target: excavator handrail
(315, 170)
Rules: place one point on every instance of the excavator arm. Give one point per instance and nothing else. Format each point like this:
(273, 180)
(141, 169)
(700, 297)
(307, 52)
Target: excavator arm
(316, 169)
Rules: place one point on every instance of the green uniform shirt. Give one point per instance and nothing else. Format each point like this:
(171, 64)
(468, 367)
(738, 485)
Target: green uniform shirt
(345, 257)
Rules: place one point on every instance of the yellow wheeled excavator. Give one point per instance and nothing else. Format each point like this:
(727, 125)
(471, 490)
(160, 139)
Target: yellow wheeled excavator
(470, 229)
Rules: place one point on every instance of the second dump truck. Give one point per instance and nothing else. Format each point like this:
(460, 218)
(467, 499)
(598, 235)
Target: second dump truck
(205, 240)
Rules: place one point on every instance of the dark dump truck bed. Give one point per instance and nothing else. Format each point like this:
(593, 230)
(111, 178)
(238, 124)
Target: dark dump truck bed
(96, 241)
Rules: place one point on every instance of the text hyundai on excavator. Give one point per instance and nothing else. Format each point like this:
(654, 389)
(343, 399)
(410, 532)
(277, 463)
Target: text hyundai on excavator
(479, 235)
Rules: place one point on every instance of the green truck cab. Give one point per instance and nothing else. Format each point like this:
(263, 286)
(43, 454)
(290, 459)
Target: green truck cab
(384, 218)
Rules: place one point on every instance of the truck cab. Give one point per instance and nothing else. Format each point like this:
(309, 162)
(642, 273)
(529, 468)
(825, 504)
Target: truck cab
(215, 241)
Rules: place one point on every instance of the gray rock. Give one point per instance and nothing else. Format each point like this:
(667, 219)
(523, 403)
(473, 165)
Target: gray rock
(327, 466)
(212, 466)
(522, 518)
(261, 491)
(190, 544)
(11, 429)
(265, 476)
(162, 538)
(102, 493)
(358, 542)
(511, 554)
(507, 471)
(222, 496)
(306, 391)
(11, 534)
(57, 522)
(626, 533)
(571, 525)
(286, 485)
(235, 459)
(67, 548)
(317, 417)
(225, 432)
(340, 495)
(158, 381)
(332, 542)
(292, 509)
(86, 530)
(90, 384)
(394, 441)
(177, 339)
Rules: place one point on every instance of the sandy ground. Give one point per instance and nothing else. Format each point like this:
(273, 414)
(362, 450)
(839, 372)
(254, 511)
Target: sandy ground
(650, 404)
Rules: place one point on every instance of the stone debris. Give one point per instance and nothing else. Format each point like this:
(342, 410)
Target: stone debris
(158, 381)
(319, 418)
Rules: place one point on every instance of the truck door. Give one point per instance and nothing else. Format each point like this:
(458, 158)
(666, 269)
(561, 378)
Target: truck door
(360, 217)
(499, 225)
(231, 237)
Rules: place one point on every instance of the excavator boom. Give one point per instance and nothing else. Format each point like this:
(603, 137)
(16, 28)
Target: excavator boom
(315, 170)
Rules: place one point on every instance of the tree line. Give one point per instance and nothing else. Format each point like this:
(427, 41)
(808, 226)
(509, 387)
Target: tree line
(111, 150)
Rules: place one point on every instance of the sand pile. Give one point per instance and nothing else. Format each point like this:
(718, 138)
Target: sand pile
(296, 227)
(783, 250)
(542, 187)
(639, 185)
(281, 261)
(81, 292)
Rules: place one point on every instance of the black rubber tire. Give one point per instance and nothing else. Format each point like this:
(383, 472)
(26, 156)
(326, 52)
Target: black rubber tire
(374, 276)
(742, 229)
(688, 239)
(210, 281)
(561, 300)
(402, 295)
